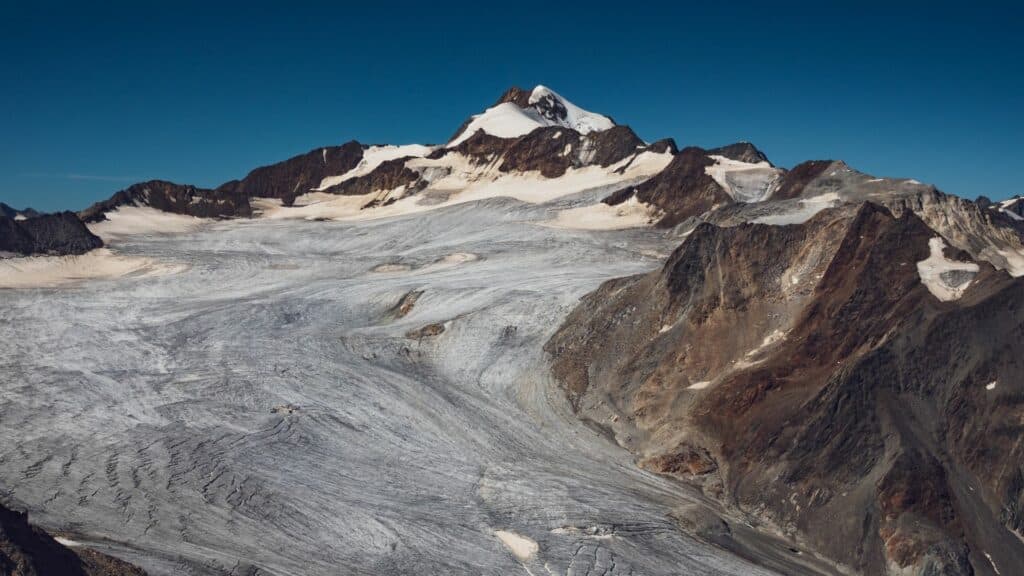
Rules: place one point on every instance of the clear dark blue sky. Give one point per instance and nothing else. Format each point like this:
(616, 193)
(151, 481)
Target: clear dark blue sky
(98, 95)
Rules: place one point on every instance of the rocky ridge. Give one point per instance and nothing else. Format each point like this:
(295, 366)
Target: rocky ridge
(806, 375)
(49, 234)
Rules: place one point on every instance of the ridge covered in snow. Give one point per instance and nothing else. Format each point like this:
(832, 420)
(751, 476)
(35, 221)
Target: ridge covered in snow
(545, 108)
(375, 156)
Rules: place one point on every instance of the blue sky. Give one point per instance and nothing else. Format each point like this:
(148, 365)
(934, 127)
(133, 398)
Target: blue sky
(99, 95)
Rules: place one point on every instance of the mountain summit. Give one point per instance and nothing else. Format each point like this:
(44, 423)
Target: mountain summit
(518, 112)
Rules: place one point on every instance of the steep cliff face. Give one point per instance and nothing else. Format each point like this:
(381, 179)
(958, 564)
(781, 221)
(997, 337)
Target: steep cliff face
(28, 551)
(808, 376)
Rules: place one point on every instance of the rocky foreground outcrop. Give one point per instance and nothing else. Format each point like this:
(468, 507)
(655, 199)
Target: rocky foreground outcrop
(46, 234)
(25, 550)
(808, 376)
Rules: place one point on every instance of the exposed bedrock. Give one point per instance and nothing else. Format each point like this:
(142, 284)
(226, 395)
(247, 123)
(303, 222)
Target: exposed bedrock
(806, 376)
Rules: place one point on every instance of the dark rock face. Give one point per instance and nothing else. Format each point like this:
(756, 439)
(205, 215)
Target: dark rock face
(515, 95)
(175, 198)
(682, 190)
(795, 180)
(297, 175)
(741, 152)
(834, 396)
(28, 551)
(53, 234)
(9, 212)
(553, 150)
(664, 145)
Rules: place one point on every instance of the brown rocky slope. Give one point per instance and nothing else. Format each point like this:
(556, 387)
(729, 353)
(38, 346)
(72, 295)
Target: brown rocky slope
(805, 376)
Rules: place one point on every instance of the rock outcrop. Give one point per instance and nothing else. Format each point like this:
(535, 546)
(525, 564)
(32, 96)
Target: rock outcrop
(28, 551)
(174, 198)
(59, 234)
(683, 190)
(806, 376)
(297, 175)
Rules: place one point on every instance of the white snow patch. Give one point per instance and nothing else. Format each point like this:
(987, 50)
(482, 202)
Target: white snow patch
(129, 220)
(744, 181)
(933, 269)
(1014, 261)
(770, 339)
(508, 120)
(807, 209)
(992, 562)
(1005, 205)
(372, 157)
(67, 542)
(102, 263)
(600, 216)
(699, 385)
(991, 385)
(521, 547)
(19, 217)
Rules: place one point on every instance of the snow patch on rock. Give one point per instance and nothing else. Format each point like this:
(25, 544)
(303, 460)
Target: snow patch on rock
(576, 118)
(600, 216)
(744, 181)
(946, 279)
(131, 220)
(375, 156)
(804, 211)
(508, 120)
(456, 179)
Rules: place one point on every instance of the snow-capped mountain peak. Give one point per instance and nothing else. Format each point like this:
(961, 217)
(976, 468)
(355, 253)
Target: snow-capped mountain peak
(513, 117)
(558, 110)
